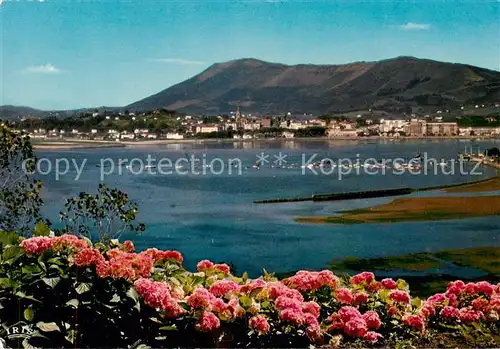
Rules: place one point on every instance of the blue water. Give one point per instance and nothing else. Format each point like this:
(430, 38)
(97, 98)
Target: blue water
(212, 216)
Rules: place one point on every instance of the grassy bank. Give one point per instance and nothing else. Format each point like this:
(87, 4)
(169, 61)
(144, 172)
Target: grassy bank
(434, 264)
(416, 209)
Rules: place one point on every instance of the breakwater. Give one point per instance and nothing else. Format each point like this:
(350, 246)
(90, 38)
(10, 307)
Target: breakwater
(343, 196)
(370, 193)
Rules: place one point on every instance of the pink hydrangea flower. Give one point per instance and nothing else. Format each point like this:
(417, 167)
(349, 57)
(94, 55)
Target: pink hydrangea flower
(208, 322)
(344, 295)
(37, 244)
(437, 298)
(399, 296)
(336, 322)
(293, 316)
(201, 298)
(234, 309)
(311, 308)
(310, 320)
(389, 284)
(449, 313)
(204, 264)
(427, 309)
(88, 256)
(347, 313)
(452, 300)
(259, 323)
(470, 288)
(364, 277)
(360, 298)
(284, 302)
(468, 314)
(356, 327)
(156, 294)
(223, 268)
(128, 246)
(310, 280)
(223, 287)
(416, 322)
(372, 337)
(372, 319)
(484, 287)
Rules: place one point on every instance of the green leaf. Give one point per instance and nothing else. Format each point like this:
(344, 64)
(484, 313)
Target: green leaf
(8, 283)
(48, 326)
(244, 277)
(255, 292)
(31, 269)
(12, 253)
(41, 229)
(29, 314)
(402, 285)
(27, 345)
(82, 287)
(169, 328)
(52, 282)
(87, 240)
(143, 346)
(246, 301)
(9, 238)
(24, 296)
(71, 336)
(416, 302)
(72, 303)
(132, 293)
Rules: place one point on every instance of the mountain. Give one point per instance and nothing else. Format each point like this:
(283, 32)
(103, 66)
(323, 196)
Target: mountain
(11, 112)
(401, 84)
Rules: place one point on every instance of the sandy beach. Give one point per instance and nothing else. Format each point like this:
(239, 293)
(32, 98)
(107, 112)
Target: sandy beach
(67, 144)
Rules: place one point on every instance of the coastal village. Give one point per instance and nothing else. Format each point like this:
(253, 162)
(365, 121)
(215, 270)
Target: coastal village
(125, 126)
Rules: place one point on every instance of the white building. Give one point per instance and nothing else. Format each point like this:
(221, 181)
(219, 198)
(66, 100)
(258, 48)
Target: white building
(207, 128)
(174, 136)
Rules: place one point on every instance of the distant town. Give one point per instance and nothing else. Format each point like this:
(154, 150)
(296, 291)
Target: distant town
(126, 126)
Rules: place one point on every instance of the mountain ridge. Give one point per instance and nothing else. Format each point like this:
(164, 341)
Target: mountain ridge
(401, 84)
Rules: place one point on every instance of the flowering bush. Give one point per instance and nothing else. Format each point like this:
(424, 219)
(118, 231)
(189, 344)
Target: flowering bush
(68, 286)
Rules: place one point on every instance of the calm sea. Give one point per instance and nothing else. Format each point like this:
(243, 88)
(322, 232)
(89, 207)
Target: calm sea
(212, 215)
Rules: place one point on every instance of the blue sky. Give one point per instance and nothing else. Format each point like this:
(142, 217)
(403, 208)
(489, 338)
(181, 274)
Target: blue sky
(58, 54)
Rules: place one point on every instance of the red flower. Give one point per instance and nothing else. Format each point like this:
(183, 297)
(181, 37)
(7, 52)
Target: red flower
(449, 313)
(204, 264)
(399, 296)
(372, 337)
(356, 327)
(344, 295)
(372, 319)
(208, 322)
(416, 322)
(388, 284)
(88, 256)
(364, 277)
(259, 323)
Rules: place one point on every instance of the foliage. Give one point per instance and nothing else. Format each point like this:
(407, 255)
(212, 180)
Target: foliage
(66, 288)
(109, 213)
(315, 131)
(20, 198)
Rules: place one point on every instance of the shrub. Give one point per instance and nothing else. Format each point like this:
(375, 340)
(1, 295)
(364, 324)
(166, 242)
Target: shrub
(68, 287)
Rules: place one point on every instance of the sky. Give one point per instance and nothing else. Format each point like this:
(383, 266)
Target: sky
(65, 54)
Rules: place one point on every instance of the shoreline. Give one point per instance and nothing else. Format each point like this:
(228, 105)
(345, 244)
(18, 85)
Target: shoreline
(68, 144)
